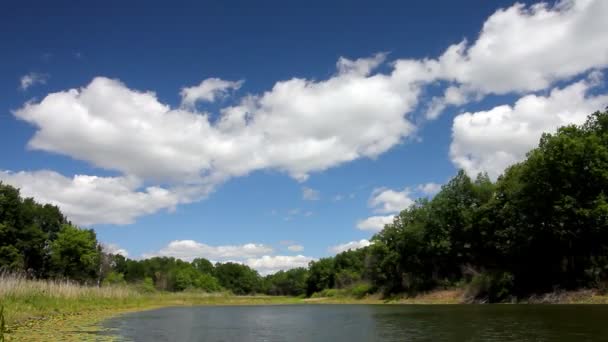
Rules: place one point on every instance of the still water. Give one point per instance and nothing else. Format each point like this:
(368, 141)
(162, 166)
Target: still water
(338, 323)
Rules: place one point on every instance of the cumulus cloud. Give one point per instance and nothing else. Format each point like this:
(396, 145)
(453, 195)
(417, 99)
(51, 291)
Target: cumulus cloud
(295, 248)
(90, 199)
(256, 256)
(208, 90)
(302, 126)
(352, 245)
(190, 249)
(492, 140)
(310, 194)
(269, 264)
(115, 249)
(32, 79)
(429, 189)
(299, 127)
(525, 48)
(390, 201)
(375, 223)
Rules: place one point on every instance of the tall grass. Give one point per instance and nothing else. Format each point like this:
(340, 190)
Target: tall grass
(29, 299)
(2, 323)
(47, 302)
(14, 286)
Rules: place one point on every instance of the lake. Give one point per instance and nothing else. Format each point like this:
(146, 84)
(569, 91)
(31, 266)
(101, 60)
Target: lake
(337, 323)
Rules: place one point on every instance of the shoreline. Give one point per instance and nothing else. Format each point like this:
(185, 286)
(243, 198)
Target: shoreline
(85, 322)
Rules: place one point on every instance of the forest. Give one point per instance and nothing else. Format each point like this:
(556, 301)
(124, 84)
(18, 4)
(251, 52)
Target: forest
(541, 226)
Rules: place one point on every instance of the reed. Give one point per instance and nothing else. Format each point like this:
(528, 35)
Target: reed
(56, 306)
(16, 286)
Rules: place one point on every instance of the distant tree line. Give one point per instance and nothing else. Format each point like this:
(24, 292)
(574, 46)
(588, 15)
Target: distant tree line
(38, 241)
(542, 226)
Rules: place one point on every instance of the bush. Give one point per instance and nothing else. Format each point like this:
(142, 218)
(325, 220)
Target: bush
(361, 290)
(327, 293)
(114, 278)
(489, 287)
(146, 286)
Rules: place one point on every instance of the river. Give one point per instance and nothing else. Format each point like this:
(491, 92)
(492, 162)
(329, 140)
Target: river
(338, 323)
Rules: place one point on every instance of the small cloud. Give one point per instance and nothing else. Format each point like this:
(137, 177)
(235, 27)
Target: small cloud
(310, 194)
(295, 248)
(207, 91)
(375, 223)
(352, 245)
(338, 198)
(32, 79)
(386, 201)
(429, 189)
(112, 248)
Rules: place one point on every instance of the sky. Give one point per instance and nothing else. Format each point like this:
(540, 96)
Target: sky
(274, 133)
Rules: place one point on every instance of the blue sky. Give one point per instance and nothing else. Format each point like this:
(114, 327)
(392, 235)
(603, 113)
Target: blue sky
(273, 133)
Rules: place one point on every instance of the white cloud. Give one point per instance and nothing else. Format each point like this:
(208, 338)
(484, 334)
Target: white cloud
(302, 126)
(494, 139)
(390, 201)
(190, 249)
(523, 48)
(295, 248)
(90, 200)
(268, 264)
(256, 256)
(208, 90)
(310, 194)
(429, 188)
(32, 79)
(352, 245)
(299, 126)
(375, 223)
(115, 249)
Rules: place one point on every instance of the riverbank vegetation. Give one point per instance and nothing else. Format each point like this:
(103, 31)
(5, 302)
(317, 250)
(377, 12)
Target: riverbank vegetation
(541, 227)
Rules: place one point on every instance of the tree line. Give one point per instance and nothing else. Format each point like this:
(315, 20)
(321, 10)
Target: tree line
(541, 226)
(38, 241)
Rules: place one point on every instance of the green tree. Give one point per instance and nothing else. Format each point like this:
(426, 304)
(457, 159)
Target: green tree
(74, 254)
(240, 279)
(321, 275)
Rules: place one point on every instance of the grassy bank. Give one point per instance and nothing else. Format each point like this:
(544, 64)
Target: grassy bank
(36, 310)
(51, 310)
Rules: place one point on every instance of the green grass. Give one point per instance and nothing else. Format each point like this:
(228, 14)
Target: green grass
(37, 310)
(55, 310)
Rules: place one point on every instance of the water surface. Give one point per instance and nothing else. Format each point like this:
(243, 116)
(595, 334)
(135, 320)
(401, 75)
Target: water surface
(338, 323)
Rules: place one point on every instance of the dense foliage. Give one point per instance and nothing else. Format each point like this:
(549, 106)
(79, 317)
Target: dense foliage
(543, 225)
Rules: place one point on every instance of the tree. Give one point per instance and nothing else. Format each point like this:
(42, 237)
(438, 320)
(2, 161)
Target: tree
(203, 265)
(287, 283)
(74, 254)
(321, 275)
(238, 278)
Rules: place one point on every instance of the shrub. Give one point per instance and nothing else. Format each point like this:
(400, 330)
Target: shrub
(361, 290)
(489, 287)
(146, 286)
(114, 278)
